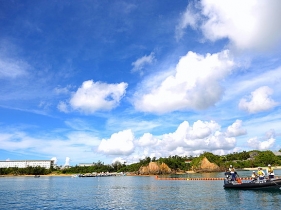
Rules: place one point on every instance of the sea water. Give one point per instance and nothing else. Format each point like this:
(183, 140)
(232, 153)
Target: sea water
(130, 192)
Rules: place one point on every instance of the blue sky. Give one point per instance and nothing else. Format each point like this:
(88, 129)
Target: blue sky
(84, 81)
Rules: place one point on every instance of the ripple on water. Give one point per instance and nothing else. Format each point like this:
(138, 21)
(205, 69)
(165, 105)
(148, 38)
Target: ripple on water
(127, 193)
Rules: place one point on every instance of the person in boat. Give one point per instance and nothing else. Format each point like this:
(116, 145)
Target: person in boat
(227, 174)
(254, 176)
(270, 172)
(233, 174)
(230, 168)
(261, 174)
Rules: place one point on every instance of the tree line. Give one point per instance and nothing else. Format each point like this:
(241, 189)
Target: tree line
(250, 159)
(38, 170)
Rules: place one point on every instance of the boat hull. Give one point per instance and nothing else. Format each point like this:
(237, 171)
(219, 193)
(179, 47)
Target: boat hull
(268, 184)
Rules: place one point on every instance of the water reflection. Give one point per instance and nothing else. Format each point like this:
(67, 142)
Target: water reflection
(261, 199)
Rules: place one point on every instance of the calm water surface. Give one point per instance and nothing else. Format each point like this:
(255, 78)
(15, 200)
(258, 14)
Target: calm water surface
(129, 192)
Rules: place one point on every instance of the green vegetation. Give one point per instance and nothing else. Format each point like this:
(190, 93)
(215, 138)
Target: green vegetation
(96, 167)
(25, 171)
(176, 163)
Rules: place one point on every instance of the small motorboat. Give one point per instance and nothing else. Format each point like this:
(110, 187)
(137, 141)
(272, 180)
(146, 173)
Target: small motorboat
(36, 176)
(253, 185)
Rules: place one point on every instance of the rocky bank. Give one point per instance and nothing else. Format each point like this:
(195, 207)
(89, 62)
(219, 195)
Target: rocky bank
(206, 166)
(155, 168)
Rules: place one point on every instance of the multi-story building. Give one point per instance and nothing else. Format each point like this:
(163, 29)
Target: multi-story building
(25, 163)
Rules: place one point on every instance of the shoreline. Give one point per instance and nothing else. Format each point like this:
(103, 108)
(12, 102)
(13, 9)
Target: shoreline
(263, 168)
(186, 172)
(10, 175)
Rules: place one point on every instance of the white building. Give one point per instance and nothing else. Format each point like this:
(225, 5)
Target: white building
(25, 163)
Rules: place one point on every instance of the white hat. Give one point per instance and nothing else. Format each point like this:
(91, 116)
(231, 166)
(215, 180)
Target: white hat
(254, 172)
(230, 166)
(269, 165)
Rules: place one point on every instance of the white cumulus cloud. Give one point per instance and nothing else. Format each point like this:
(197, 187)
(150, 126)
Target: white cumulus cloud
(258, 101)
(93, 96)
(195, 84)
(147, 140)
(247, 24)
(258, 144)
(202, 129)
(119, 159)
(121, 143)
(205, 136)
(236, 129)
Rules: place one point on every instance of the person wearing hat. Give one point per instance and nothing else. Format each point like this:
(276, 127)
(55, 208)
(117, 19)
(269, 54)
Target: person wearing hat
(270, 172)
(261, 174)
(231, 168)
(254, 176)
(233, 174)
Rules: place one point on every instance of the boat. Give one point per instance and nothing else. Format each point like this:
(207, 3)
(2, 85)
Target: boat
(36, 176)
(253, 185)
